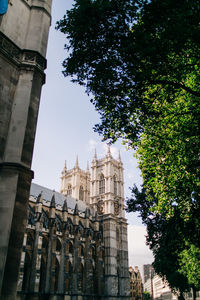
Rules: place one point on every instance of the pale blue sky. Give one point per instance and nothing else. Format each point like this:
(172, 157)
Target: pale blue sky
(65, 129)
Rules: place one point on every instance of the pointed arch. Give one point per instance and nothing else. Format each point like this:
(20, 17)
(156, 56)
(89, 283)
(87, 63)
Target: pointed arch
(43, 263)
(69, 190)
(115, 185)
(68, 275)
(81, 193)
(27, 271)
(80, 277)
(101, 184)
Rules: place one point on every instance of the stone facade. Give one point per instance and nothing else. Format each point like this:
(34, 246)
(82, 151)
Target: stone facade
(75, 245)
(136, 284)
(23, 41)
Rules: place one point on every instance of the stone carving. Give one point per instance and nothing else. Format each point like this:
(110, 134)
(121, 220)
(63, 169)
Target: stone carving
(116, 207)
(21, 56)
(100, 207)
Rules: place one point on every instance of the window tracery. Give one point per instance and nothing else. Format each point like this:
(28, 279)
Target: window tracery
(101, 184)
(115, 185)
(69, 190)
(81, 193)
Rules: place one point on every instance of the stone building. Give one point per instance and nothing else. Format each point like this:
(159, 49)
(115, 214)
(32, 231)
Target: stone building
(24, 27)
(75, 245)
(136, 285)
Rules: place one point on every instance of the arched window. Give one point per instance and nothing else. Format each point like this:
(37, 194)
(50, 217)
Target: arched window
(115, 184)
(81, 193)
(101, 184)
(69, 190)
(80, 277)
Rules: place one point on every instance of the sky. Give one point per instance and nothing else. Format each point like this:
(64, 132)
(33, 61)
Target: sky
(65, 130)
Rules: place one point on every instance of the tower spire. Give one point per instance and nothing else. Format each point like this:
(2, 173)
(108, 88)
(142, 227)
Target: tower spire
(119, 156)
(64, 208)
(65, 167)
(108, 150)
(53, 202)
(95, 154)
(87, 168)
(76, 165)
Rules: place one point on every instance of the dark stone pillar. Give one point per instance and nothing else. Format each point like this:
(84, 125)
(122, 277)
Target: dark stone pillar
(34, 266)
(61, 276)
(22, 63)
(49, 259)
(13, 208)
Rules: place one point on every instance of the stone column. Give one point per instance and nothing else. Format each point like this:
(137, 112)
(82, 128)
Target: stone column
(110, 257)
(74, 286)
(124, 279)
(14, 192)
(49, 258)
(36, 260)
(21, 272)
(61, 276)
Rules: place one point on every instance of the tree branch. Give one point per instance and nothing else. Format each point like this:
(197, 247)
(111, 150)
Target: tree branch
(175, 84)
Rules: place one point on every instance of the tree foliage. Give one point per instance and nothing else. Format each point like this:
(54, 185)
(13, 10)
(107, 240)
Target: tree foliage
(140, 59)
(165, 238)
(119, 49)
(147, 296)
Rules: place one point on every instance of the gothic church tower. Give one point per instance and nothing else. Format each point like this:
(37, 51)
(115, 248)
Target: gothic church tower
(103, 192)
(76, 182)
(107, 197)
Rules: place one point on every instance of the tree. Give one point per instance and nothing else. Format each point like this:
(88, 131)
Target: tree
(140, 61)
(141, 67)
(165, 239)
(126, 47)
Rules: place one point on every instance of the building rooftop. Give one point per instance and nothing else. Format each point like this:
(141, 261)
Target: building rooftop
(36, 189)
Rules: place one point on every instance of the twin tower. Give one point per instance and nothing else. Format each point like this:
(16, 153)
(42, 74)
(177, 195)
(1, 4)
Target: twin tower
(103, 192)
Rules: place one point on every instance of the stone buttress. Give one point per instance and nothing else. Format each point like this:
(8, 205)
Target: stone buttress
(23, 41)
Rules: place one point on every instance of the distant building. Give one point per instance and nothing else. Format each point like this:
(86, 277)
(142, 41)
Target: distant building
(136, 286)
(155, 285)
(161, 289)
(148, 274)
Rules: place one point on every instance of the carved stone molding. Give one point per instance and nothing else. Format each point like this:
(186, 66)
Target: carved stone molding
(19, 56)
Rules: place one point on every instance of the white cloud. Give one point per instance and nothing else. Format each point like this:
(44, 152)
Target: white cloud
(92, 144)
(139, 253)
(114, 151)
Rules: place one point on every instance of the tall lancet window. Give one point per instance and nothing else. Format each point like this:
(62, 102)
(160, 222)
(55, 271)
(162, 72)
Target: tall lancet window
(101, 184)
(69, 190)
(81, 193)
(115, 185)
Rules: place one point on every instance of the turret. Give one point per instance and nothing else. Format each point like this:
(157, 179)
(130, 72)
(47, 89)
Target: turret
(108, 154)
(52, 206)
(76, 215)
(65, 168)
(87, 217)
(96, 222)
(65, 210)
(95, 156)
(76, 164)
(39, 203)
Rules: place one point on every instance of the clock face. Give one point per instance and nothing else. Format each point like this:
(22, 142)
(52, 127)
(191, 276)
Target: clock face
(3, 6)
